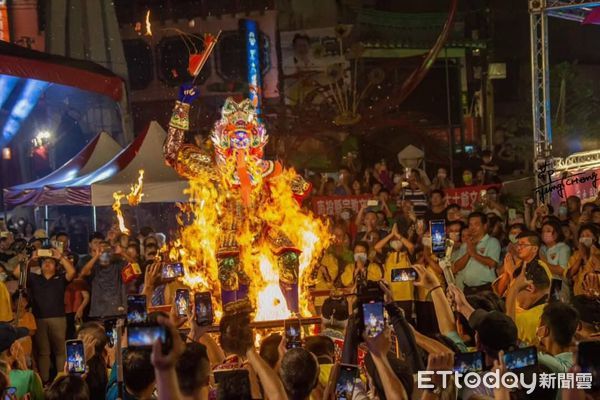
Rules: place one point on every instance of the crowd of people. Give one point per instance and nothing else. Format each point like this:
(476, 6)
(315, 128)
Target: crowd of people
(500, 280)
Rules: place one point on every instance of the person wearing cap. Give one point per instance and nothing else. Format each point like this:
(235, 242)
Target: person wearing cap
(24, 380)
(47, 294)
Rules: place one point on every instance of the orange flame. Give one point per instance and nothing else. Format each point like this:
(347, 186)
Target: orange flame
(211, 211)
(135, 195)
(117, 196)
(148, 24)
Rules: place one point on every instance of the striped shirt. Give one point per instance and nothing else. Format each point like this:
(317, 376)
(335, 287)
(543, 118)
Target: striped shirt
(418, 200)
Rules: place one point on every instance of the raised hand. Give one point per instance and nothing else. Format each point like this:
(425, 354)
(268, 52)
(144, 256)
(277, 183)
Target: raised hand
(188, 93)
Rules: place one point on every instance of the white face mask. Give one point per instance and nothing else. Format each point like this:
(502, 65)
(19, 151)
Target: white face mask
(345, 215)
(586, 241)
(360, 257)
(396, 244)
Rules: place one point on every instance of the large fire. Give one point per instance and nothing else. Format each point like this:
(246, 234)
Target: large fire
(200, 230)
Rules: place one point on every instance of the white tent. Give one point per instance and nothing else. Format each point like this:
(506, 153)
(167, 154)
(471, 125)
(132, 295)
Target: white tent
(101, 149)
(161, 183)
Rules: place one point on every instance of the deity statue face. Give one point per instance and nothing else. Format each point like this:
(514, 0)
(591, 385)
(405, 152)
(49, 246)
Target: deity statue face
(239, 138)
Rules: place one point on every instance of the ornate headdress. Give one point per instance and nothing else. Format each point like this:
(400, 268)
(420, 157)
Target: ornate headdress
(238, 129)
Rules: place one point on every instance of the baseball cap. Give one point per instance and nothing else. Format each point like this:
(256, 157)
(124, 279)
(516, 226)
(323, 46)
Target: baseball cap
(9, 334)
(495, 329)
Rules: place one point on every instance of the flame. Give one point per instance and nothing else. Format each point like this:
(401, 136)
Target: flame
(212, 209)
(117, 196)
(148, 24)
(135, 195)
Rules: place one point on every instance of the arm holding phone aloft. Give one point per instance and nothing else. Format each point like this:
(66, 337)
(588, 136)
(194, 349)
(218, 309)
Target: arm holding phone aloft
(89, 266)
(167, 385)
(150, 280)
(443, 312)
(404, 334)
(268, 377)
(198, 334)
(379, 346)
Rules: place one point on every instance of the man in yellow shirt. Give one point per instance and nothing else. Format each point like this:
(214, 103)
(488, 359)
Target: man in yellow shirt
(530, 290)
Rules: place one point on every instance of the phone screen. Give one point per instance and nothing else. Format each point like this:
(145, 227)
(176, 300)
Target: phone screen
(203, 308)
(172, 271)
(293, 333)
(10, 393)
(136, 309)
(373, 318)
(438, 237)
(145, 336)
(110, 327)
(521, 358)
(588, 358)
(512, 214)
(75, 356)
(182, 302)
(242, 379)
(468, 362)
(403, 274)
(344, 386)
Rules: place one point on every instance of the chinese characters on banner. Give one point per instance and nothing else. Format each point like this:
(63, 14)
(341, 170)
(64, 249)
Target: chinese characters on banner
(333, 205)
(466, 197)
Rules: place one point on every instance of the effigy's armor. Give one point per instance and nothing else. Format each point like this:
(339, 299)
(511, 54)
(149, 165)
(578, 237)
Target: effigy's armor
(239, 168)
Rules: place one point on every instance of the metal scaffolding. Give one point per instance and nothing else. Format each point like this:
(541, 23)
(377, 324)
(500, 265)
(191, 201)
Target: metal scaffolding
(539, 11)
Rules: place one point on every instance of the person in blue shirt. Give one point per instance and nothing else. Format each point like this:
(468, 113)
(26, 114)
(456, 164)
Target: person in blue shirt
(477, 258)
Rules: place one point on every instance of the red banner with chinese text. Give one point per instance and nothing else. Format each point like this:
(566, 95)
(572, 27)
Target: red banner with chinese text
(333, 205)
(467, 196)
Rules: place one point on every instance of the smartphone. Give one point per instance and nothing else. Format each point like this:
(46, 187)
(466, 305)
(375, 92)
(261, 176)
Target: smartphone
(172, 271)
(468, 362)
(110, 327)
(588, 358)
(75, 356)
(240, 376)
(555, 289)
(44, 253)
(203, 308)
(293, 333)
(344, 386)
(512, 214)
(520, 358)
(373, 320)
(144, 336)
(137, 312)
(372, 203)
(437, 230)
(182, 302)
(403, 274)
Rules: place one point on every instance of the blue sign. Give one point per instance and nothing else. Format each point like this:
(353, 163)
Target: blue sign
(253, 62)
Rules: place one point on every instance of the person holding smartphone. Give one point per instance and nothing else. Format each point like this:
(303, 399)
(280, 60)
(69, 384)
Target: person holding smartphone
(103, 271)
(47, 295)
(396, 249)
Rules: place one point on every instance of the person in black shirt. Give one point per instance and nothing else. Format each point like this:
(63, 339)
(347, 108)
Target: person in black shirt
(437, 206)
(47, 294)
